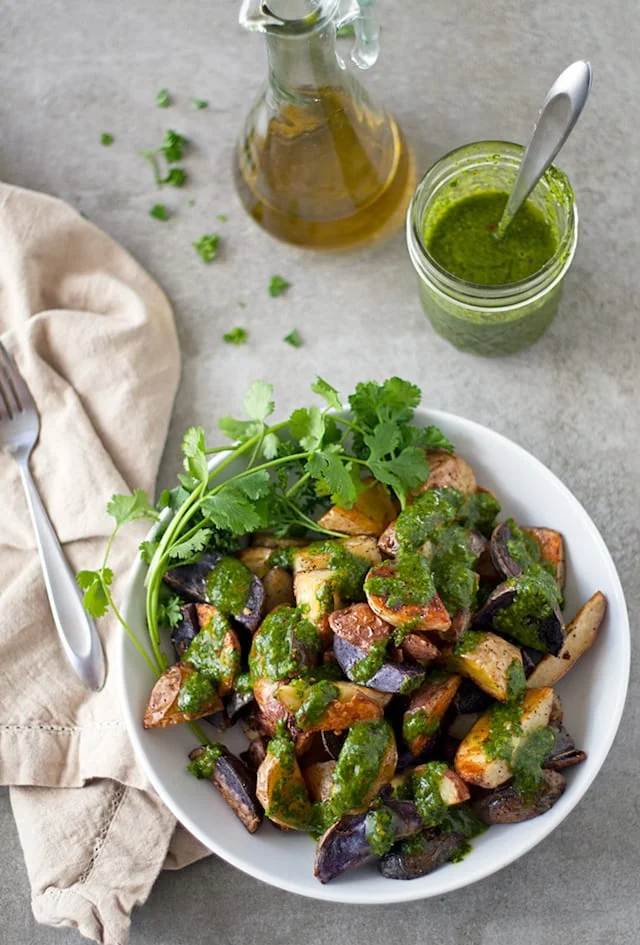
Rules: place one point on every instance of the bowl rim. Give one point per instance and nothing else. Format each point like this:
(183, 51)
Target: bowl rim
(404, 892)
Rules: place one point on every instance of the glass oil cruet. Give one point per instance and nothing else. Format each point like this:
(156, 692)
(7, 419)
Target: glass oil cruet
(318, 164)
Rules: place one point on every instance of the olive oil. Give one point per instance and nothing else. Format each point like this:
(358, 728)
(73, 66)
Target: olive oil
(326, 170)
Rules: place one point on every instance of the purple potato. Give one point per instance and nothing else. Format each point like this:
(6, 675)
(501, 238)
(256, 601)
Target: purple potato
(391, 677)
(437, 849)
(548, 629)
(345, 845)
(564, 753)
(183, 634)
(237, 784)
(504, 563)
(190, 581)
(506, 806)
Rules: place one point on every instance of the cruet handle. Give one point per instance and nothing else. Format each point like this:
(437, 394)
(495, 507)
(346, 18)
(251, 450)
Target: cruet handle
(366, 48)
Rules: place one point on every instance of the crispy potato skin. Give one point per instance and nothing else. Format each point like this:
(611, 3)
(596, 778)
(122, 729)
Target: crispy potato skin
(431, 700)
(162, 707)
(430, 616)
(354, 703)
(230, 643)
(448, 470)
(471, 761)
(580, 635)
(551, 544)
(308, 588)
(373, 510)
(318, 780)
(419, 647)
(271, 780)
(487, 664)
(359, 625)
(278, 589)
(256, 559)
(453, 790)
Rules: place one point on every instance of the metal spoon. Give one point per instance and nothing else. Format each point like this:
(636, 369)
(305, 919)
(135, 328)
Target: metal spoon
(561, 109)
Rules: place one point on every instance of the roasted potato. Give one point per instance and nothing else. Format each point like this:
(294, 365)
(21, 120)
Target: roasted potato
(317, 777)
(581, 634)
(282, 791)
(448, 470)
(373, 510)
(256, 559)
(551, 544)
(429, 616)
(506, 806)
(164, 707)
(215, 650)
(318, 555)
(353, 704)
(452, 788)
(359, 625)
(472, 762)
(278, 589)
(418, 647)
(489, 662)
(319, 592)
(425, 711)
(370, 747)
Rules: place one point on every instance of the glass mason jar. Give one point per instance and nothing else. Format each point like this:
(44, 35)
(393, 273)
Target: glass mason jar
(488, 319)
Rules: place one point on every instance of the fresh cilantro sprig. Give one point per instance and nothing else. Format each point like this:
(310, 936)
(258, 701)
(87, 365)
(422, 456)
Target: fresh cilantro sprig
(207, 246)
(172, 150)
(290, 471)
(237, 336)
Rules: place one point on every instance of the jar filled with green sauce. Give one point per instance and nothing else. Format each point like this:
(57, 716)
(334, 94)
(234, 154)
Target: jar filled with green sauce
(486, 296)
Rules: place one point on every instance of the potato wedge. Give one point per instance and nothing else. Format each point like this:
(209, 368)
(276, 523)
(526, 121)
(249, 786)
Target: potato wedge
(373, 510)
(551, 544)
(581, 634)
(418, 647)
(453, 790)
(359, 625)
(282, 791)
(489, 662)
(388, 541)
(367, 761)
(256, 559)
(472, 762)
(431, 615)
(425, 711)
(268, 540)
(448, 470)
(317, 777)
(278, 589)
(318, 555)
(318, 592)
(215, 650)
(271, 709)
(163, 708)
(353, 704)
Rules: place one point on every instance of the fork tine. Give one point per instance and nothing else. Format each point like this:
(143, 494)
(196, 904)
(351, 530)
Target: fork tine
(15, 380)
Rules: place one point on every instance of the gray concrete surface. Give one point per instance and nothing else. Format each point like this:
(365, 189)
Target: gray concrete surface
(452, 72)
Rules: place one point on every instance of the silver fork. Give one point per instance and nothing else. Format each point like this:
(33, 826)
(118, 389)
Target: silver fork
(19, 431)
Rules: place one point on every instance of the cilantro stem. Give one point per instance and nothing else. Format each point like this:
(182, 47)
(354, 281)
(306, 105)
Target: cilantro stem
(294, 488)
(312, 525)
(197, 731)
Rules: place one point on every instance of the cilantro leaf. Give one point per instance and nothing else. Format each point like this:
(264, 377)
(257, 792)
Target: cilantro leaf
(175, 178)
(159, 212)
(129, 508)
(237, 336)
(199, 103)
(195, 458)
(403, 472)
(394, 399)
(239, 430)
(434, 439)
(169, 612)
(270, 446)
(163, 99)
(307, 426)
(207, 246)
(106, 139)
(384, 439)
(191, 546)
(222, 217)
(333, 476)
(173, 146)
(230, 509)
(258, 401)
(293, 339)
(330, 394)
(95, 600)
(147, 550)
(277, 286)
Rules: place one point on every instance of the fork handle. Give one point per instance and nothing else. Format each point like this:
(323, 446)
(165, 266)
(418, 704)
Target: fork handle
(76, 629)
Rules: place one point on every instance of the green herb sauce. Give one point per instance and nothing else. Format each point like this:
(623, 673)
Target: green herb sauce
(205, 764)
(452, 566)
(526, 764)
(410, 582)
(282, 558)
(228, 586)
(289, 800)
(273, 655)
(468, 642)
(320, 695)
(516, 680)
(536, 594)
(242, 684)
(426, 791)
(365, 668)
(414, 846)
(350, 569)
(430, 511)
(463, 240)
(380, 830)
(504, 727)
(461, 819)
(195, 693)
(479, 512)
(358, 764)
(523, 548)
(416, 724)
(208, 654)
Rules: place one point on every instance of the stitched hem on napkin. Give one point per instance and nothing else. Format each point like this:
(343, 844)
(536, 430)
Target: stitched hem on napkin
(52, 755)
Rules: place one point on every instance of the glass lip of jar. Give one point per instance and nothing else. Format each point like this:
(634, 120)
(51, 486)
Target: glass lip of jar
(476, 296)
(324, 12)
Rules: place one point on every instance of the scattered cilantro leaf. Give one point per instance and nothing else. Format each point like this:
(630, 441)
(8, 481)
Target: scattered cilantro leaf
(195, 458)
(130, 508)
(176, 177)
(191, 203)
(256, 485)
(237, 336)
(434, 439)
(277, 286)
(94, 583)
(159, 212)
(163, 99)
(173, 146)
(394, 399)
(184, 550)
(293, 339)
(270, 446)
(169, 613)
(258, 401)
(199, 103)
(207, 246)
(242, 304)
(330, 394)
(239, 430)
(222, 217)
(384, 439)
(106, 139)
(306, 424)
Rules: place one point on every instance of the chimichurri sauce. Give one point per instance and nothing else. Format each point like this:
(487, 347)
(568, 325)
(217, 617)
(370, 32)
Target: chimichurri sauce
(463, 240)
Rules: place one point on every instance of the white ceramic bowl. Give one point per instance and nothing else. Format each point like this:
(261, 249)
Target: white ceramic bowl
(593, 696)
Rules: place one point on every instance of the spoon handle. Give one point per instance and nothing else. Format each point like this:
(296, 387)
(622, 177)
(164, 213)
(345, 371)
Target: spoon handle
(561, 109)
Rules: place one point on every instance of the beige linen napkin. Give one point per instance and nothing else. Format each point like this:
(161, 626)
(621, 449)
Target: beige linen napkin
(95, 339)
